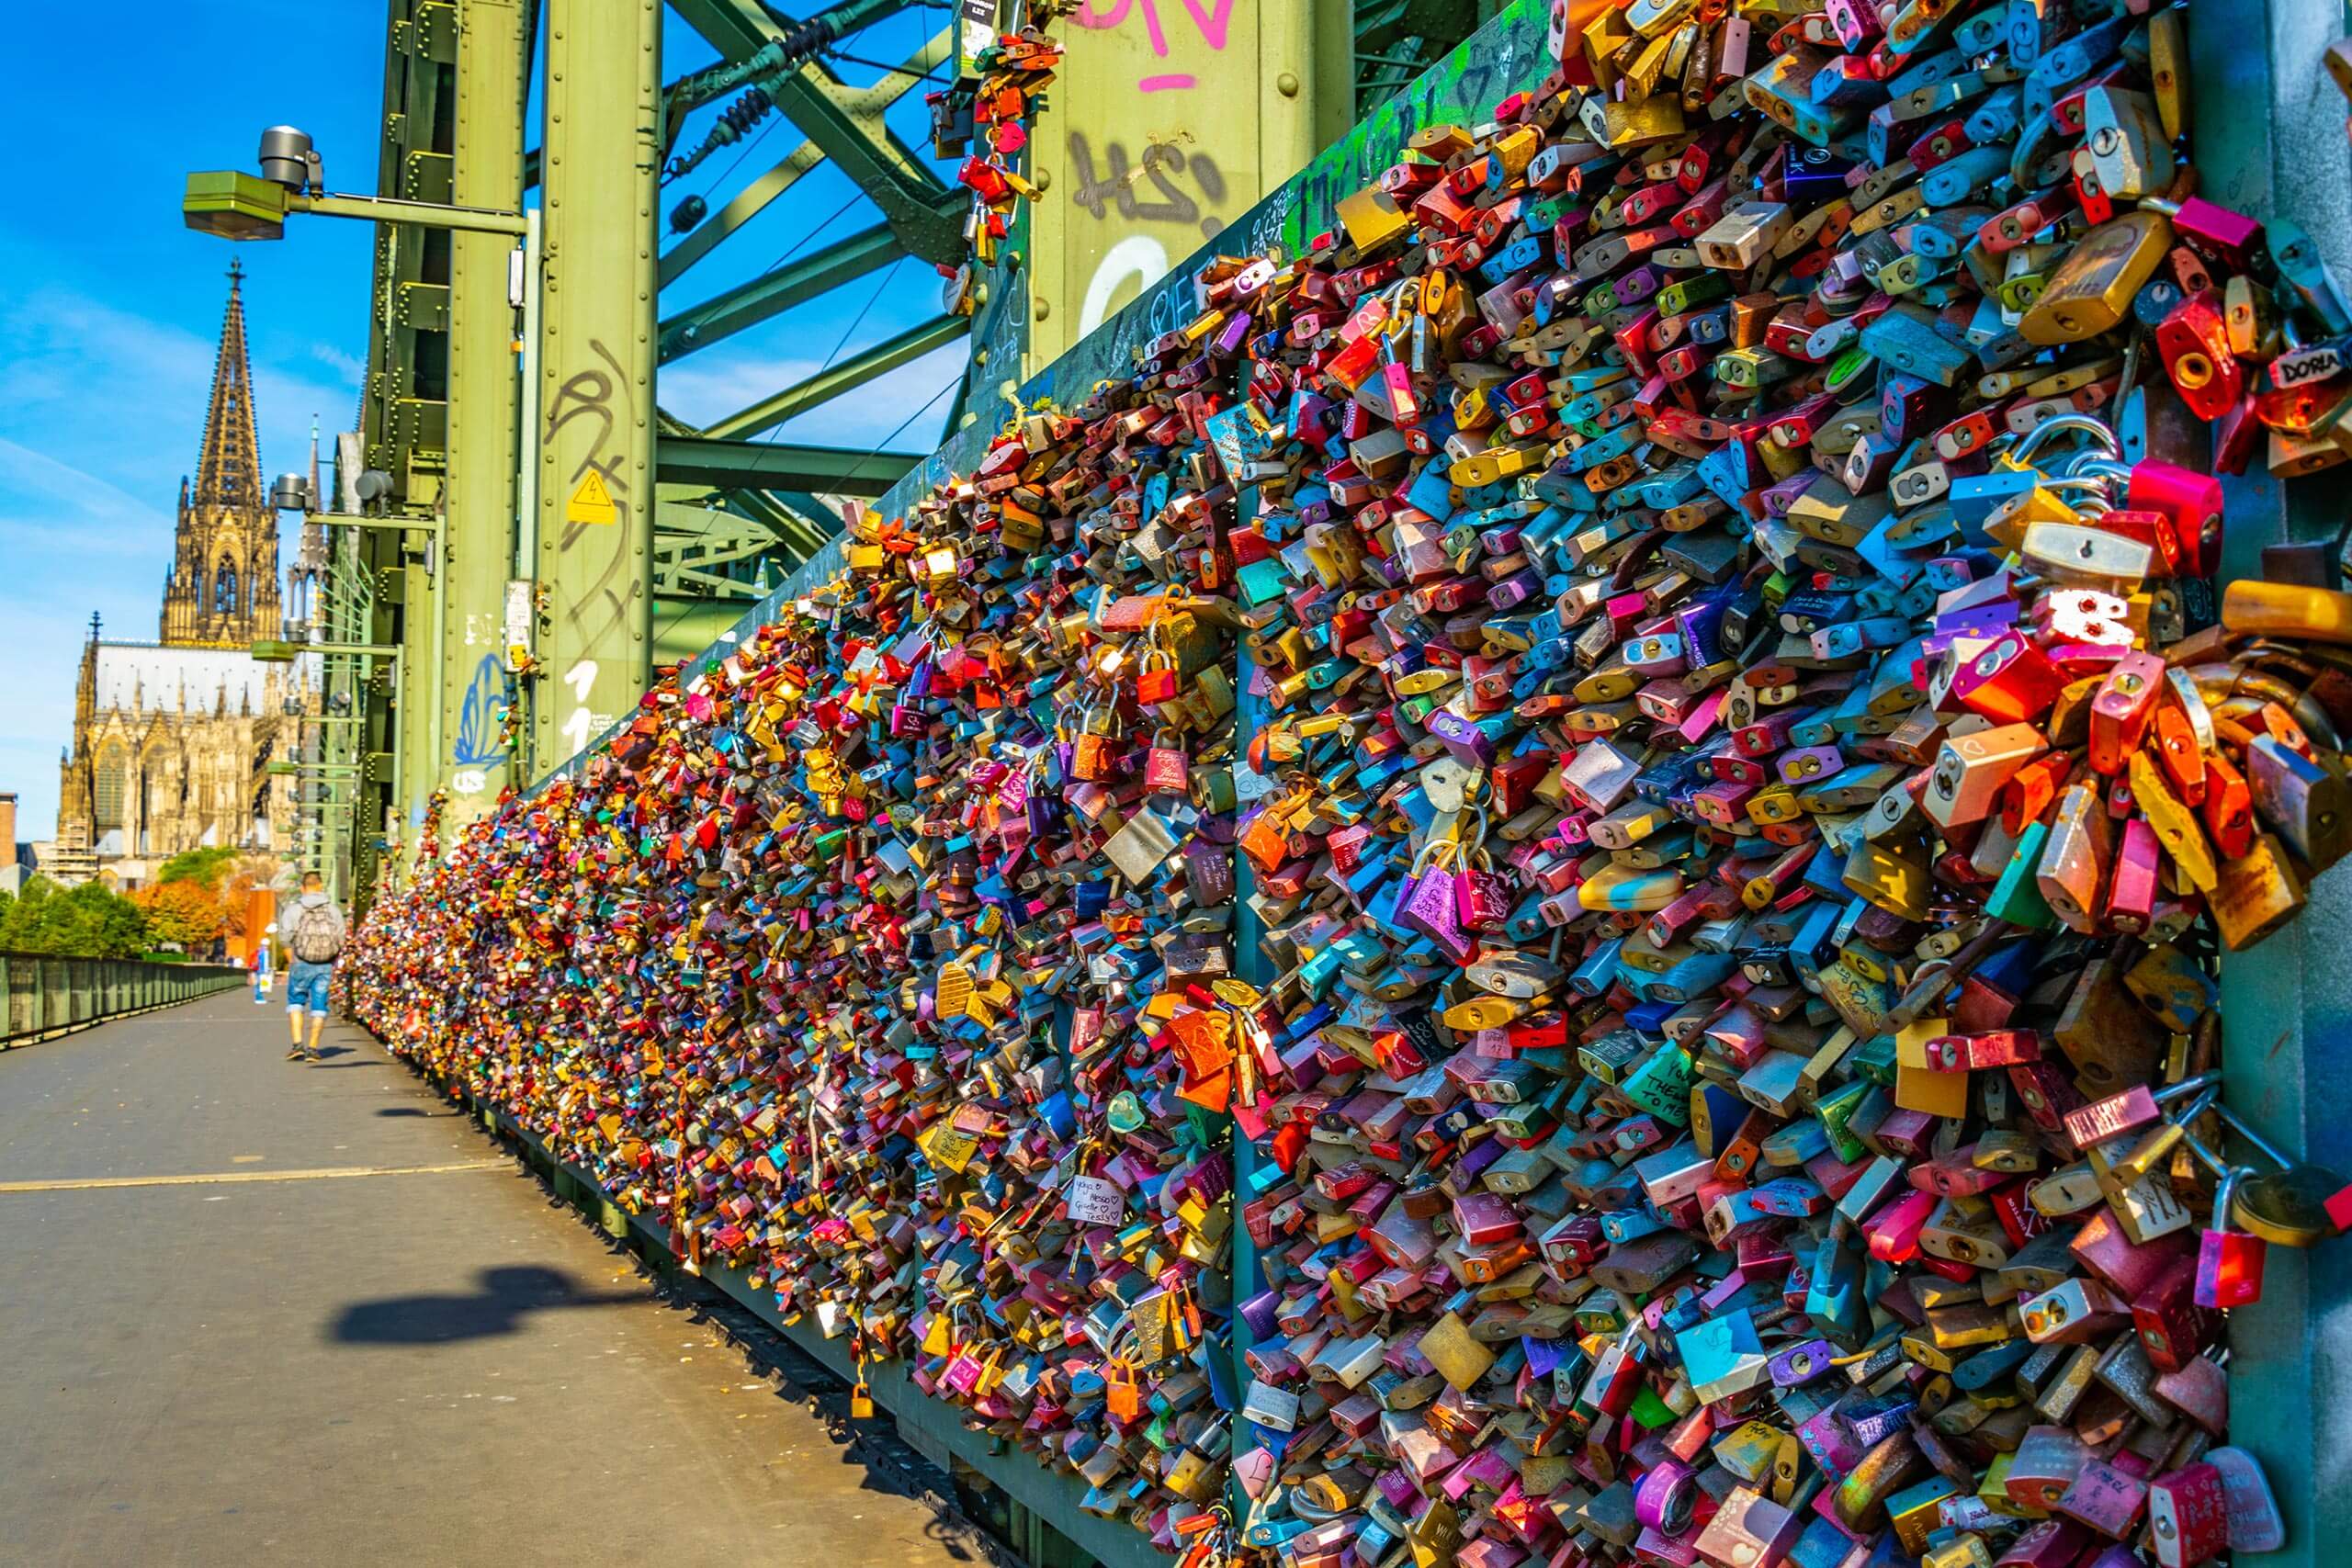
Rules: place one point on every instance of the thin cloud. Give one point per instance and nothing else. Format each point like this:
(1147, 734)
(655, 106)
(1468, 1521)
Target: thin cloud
(350, 367)
(101, 412)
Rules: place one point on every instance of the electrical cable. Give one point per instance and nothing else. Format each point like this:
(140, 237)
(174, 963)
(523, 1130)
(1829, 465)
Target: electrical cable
(802, 242)
(740, 156)
(857, 320)
(848, 58)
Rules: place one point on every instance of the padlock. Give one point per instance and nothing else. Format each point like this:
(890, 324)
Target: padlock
(1167, 767)
(1663, 940)
(1095, 750)
(2188, 1516)
(2229, 1263)
(1482, 897)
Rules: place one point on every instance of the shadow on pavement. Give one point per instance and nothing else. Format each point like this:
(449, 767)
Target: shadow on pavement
(507, 1295)
(403, 1110)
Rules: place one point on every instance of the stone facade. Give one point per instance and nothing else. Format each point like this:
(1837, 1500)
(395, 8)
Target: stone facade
(173, 740)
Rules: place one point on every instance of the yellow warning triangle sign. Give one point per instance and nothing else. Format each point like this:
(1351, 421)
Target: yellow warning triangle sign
(592, 502)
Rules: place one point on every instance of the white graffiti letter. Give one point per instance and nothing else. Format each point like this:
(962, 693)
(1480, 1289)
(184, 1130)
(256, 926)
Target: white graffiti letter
(1138, 256)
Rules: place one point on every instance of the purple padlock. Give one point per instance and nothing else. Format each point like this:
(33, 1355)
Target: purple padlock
(1427, 906)
(1464, 738)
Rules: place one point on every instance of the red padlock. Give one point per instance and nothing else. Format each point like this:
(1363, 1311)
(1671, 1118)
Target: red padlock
(1167, 769)
(2195, 345)
(2122, 709)
(2189, 1516)
(2229, 1262)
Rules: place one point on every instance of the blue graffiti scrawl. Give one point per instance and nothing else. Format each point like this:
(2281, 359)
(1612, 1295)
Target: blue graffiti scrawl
(482, 716)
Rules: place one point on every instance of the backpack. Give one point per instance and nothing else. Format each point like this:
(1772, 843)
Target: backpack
(318, 934)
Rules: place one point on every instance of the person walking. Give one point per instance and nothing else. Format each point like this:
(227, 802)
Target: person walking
(315, 943)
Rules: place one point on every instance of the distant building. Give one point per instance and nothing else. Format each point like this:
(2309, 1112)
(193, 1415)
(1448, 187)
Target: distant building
(172, 739)
(16, 859)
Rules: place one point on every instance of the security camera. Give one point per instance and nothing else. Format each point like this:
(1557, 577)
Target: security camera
(287, 159)
(291, 493)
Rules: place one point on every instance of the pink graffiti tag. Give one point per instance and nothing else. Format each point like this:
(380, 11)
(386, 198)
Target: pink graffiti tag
(1213, 25)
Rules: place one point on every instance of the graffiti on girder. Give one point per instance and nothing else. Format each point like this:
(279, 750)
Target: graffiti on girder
(593, 611)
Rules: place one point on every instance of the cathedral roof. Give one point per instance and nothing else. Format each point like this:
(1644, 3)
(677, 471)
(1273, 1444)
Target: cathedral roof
(146, 677)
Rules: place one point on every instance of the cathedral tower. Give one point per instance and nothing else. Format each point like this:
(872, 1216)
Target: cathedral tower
(222, 590)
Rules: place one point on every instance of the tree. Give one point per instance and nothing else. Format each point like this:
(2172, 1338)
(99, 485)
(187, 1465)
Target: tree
(100, 923)
(203, 866)
(185, 914)
(23, 925)
(88, 921)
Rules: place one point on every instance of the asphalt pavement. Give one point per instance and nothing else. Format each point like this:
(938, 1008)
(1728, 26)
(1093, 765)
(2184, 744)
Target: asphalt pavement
(254, 1312)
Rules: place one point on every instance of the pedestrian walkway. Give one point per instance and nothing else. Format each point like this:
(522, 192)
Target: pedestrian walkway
(254, 1311)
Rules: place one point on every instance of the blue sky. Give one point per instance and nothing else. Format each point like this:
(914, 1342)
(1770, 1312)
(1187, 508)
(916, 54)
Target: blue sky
(107, 327)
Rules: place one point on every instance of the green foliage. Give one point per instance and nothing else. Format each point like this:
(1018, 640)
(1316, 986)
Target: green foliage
(88, 921)
(196, 865)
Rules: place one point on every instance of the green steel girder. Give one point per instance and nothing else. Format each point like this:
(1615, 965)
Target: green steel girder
(830, 383)
(798, 523)
(713, 83)
(792, 526)
(862, 105)
(674, 119)
(1396, 39)
(807, 505)
(747, 204)
(757, 465)
(594, 370)
(799, 519)
(773, 293)
(694, 545)
(907, 193)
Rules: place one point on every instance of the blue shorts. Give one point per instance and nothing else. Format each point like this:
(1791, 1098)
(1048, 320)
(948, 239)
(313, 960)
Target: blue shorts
(306, 986)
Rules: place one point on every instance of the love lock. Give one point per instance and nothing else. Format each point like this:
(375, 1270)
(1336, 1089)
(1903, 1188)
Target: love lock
(1682, 629)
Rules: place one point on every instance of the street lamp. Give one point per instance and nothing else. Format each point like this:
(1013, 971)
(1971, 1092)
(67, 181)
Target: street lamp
(238, 206)
(287, 157)
(291, 493)
(235, 205)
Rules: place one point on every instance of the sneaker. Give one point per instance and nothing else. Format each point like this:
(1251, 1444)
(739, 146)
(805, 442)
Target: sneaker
(295, 1055)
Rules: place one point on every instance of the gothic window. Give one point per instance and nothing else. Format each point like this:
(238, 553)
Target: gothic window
(110, 787)
(224, 591)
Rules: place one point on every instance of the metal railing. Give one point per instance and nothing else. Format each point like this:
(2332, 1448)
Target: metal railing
(46, 995)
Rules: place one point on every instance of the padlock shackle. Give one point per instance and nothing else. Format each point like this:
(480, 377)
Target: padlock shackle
(2225, 1191)
(2196, 1085)
(2263, 1145)
(2212, 1161)
(2031, 442)
(2095, 502)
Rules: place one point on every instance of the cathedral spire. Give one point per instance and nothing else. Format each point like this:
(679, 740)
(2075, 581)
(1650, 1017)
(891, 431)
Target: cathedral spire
(223, 590)
(228, 468)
